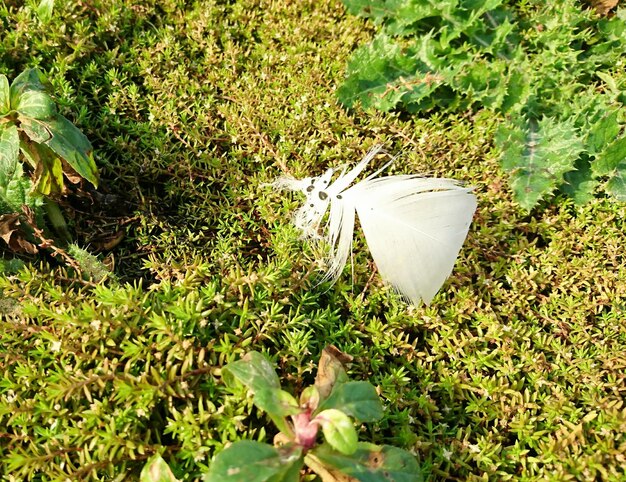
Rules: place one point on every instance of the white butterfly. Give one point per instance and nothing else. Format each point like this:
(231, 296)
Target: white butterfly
(414, 226)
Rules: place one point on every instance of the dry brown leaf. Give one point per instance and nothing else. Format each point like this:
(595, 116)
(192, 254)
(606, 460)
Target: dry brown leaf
(603, 7)
(330, 368)
(13, 236)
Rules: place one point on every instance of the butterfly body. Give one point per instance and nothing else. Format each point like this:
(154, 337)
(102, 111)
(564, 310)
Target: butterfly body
(413, 226)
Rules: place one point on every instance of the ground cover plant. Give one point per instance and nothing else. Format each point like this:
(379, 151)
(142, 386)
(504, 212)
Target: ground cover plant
(514, 372)
(549, 68)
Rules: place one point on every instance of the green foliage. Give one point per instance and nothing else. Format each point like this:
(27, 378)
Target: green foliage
(515, 371)
(38, 146)
(327, 404)
(533, 66)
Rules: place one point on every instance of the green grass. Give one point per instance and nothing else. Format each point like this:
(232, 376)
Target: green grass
(515, 371)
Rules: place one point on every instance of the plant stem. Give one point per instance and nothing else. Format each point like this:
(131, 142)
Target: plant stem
(57, 221)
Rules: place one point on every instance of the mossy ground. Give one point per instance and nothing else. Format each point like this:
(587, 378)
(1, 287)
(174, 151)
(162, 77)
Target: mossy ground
(515, 371)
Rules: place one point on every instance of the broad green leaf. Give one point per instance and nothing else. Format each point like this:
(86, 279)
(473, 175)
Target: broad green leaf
(44, 10)
(48, 175)
(9, 152)
(5, 95)
(258, 375)
(27, 80)
(381, 74)
(338, 430)
(14, 186)
(537, 155)
(517, 92)
(356, 399)
(611, 158)
(580, 185)
(603, 132)
(372, 463)
(254, 371)
(37, 105)
(72, 146)
(249, 461)
(157, 470)
(36, 130)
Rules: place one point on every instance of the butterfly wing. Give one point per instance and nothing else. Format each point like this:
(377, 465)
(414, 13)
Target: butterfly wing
(414, 228)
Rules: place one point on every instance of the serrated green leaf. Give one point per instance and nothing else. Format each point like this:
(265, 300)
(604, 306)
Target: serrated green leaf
(580, 184)
(36, 105)
(517, 91)
(617, 184)
(5, 95)
(72, 146)
(537, 155)
(381, 74)
(157, 470)
(356, 399)
(372, 463)
(603, 132)
(611, 163)
(249, 461)
(338, 430)
(610, 158)
(27, 80)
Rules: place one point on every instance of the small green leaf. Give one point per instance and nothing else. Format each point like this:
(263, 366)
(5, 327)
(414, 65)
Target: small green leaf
(276, 402)
(44, 10)
(156, 470)
(310, 398)
(372, 463)
(27, 80)
(72, 145)
(258, 375)
(338, 430)
(249, 461)
(5, 95)
(37, 105)
(356, 399)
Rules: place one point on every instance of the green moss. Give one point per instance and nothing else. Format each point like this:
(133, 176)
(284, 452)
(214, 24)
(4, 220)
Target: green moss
(515, 370)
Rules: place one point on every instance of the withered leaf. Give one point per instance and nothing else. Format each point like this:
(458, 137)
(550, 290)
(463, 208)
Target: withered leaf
(603, 7)
(13, 236)
(330, 370)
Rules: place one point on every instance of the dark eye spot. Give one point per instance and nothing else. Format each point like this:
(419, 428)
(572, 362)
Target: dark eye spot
(311, 205)
(310, 188)
(323, 196)
(339, 196)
